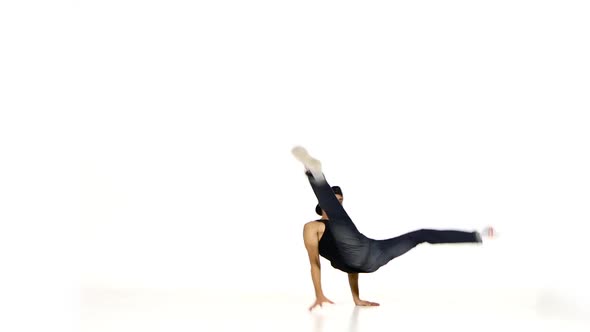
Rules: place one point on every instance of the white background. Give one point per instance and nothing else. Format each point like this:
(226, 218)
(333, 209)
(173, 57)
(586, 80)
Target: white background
(146, 144)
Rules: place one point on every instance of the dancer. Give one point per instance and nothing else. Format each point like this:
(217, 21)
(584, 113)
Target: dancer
(336, 238)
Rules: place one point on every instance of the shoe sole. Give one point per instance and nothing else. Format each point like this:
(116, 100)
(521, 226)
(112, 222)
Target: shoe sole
(310, 163)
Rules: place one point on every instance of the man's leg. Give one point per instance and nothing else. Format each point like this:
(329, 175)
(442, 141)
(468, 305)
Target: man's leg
(322, 190)
(394, 247)
(326, 197)
(341, 222)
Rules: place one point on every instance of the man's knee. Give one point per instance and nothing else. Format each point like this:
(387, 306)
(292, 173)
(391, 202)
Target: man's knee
(420, 233)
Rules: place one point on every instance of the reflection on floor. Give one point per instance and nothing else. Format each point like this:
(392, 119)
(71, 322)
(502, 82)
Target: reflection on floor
(117, 310)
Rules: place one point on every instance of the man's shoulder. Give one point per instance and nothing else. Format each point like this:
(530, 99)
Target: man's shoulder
(312, 223)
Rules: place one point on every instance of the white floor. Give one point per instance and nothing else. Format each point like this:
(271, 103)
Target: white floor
(181, 310)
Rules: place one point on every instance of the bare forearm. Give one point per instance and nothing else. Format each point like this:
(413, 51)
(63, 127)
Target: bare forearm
(353, 280)
(317, 280)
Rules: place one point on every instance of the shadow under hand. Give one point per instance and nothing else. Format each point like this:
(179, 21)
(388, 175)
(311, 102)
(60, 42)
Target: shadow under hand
(354, 319)
(318, 323)
(318, 320)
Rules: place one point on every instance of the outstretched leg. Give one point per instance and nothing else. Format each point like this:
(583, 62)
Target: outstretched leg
(322, 190)
(326, 198)
(389, 249)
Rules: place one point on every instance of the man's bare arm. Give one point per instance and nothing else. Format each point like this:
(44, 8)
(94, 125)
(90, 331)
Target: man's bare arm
(353, 280)
(310, 238)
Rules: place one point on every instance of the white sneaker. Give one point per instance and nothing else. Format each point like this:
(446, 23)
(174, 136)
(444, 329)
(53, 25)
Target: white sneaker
(488, 233)
(311, 164)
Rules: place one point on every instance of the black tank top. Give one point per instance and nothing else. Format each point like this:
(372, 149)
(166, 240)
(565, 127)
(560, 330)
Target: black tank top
(327, 249)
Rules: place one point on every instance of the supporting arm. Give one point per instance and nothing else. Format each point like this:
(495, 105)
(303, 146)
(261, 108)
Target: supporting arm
(353, 280)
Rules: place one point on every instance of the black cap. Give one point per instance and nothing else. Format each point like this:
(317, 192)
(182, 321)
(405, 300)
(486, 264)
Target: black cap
(337, 190)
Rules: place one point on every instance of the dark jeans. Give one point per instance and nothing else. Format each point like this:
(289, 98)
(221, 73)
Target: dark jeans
(368, 255)
(384, 251)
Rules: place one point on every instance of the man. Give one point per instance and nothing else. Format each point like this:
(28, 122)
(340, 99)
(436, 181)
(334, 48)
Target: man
(336, 238)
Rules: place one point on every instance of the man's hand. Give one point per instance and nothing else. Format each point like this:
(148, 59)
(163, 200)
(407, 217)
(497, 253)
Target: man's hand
(353, 279)
(364, 303)
(319, 301)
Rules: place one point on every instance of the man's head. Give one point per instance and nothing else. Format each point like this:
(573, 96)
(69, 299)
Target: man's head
(338, 191)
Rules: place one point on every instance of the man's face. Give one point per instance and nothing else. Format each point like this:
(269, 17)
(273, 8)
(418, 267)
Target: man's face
(340, 198)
